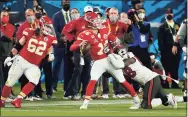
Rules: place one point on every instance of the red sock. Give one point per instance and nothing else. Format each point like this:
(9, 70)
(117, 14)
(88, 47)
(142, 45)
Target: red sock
(129, 88)
(6, 92)
(90, 87)
(27, 89)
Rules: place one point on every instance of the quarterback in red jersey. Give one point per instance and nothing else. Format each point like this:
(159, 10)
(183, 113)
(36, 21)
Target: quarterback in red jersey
(31, 49)
(97, 36)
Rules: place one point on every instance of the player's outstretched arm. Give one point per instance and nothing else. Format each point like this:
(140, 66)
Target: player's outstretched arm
(77, 44)
(14, 51)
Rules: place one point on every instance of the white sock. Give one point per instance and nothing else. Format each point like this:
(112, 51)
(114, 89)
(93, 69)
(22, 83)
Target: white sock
(86, 102)
(136, 99)
(19, 96)
(179, 99)
(156, 102)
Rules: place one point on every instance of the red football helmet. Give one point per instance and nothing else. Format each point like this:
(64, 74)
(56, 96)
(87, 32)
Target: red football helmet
(94, 21)
(46, 25)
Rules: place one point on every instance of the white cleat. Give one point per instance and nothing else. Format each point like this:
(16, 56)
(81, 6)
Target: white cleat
(135, 106)
(83, 107)
(136, 103)
(172, 101)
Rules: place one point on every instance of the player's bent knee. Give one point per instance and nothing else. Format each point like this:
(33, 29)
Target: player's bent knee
(10, 82)
(35, 78)
(122, 80)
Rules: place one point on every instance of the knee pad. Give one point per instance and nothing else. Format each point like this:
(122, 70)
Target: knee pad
(10, 81)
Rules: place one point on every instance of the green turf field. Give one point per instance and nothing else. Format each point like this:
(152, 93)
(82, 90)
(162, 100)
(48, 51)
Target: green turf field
(108, 107)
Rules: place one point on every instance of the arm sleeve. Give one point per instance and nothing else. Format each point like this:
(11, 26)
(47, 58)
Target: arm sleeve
(125, 27)
(19, 32)
(75, 45)
(56, 26)
(68, 29)
(27, 33)
(111, 37)
(82, 36)
(12, 31)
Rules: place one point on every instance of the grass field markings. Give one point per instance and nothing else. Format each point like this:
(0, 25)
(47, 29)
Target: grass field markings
(154, 112)
(20, 110)
(70, 103)
(76, 111)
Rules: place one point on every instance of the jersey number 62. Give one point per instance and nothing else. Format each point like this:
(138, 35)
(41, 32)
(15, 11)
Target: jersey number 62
(33, 48)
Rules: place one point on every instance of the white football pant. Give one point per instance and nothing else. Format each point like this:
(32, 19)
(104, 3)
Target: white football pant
(19, 67)
(103, 65)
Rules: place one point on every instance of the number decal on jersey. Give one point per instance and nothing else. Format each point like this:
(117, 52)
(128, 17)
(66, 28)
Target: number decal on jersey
(128, 71)
(100, 45)
(34, 49)
(101, 49)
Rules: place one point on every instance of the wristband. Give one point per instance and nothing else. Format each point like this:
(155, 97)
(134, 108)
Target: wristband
(175, 44)
(18, 46)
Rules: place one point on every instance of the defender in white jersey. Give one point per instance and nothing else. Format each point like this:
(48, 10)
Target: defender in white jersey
(149, 79)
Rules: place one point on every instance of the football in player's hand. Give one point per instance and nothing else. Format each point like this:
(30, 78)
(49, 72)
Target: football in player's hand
(85, 48)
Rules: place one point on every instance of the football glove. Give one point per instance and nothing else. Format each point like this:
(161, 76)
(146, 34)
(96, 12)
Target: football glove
(51, 57)
(8, 62)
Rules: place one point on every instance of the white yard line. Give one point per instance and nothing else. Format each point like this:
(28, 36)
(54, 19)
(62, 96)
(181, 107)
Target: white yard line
(71, 103)
(64, 111)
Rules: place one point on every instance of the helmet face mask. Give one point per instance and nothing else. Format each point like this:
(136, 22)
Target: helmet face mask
(94, 21)
(97, 22)
(46, 25)
(47, 29)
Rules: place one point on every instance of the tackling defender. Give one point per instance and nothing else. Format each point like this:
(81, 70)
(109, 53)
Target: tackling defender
(97, 36)
(31, 49)
(150, 80)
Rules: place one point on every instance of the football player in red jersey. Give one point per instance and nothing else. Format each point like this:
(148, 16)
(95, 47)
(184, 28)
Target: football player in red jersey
(28, 54)
(97, 36)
